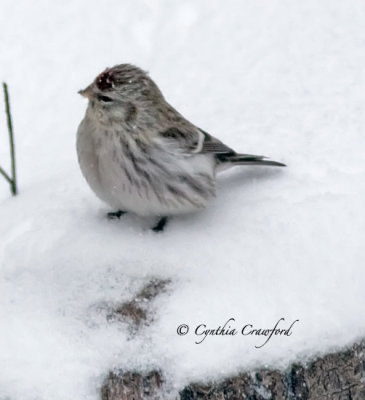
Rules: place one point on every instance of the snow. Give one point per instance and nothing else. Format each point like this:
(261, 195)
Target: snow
(279, 78)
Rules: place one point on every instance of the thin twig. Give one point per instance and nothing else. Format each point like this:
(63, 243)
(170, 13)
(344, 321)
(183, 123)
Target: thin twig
(13, 179)
(6, 176)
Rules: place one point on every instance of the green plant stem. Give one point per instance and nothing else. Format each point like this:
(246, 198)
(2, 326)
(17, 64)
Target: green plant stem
(13, 180)
(6, 176)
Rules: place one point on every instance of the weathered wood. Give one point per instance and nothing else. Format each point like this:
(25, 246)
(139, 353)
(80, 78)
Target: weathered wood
(132, 386)
(336, 376)
(135, 311)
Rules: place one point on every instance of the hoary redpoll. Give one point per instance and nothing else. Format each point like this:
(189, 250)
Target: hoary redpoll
(140, 155)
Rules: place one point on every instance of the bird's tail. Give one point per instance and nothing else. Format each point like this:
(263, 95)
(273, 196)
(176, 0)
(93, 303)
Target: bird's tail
(247, 159)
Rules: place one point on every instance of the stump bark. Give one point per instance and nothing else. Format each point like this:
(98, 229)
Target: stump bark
(336, 376)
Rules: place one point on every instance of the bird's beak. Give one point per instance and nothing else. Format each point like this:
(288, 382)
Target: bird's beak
(88, 92)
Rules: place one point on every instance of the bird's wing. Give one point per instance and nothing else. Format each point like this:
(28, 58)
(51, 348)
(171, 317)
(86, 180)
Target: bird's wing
(193, 141)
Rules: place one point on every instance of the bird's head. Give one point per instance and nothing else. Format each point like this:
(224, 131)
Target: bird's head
(119, 92)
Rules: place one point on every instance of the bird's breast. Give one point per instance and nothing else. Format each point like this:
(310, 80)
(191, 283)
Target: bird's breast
(144, 179)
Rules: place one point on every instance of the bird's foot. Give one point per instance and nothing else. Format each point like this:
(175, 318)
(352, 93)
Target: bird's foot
(160, 226)
(115, 214)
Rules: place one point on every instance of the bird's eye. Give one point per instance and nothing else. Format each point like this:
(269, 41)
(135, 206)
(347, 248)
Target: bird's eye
(105, 99)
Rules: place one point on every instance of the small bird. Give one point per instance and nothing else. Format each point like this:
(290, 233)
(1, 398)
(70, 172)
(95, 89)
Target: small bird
(140, 155)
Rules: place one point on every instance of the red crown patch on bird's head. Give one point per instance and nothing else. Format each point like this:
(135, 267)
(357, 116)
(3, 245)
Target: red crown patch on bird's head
(105, 80)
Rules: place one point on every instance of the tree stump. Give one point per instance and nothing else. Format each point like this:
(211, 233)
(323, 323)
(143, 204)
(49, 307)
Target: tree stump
(336, 376)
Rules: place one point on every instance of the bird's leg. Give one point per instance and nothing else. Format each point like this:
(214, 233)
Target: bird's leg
(160, 226)
(116, 214)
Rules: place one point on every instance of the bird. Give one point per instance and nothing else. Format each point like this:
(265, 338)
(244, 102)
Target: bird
(140, 155)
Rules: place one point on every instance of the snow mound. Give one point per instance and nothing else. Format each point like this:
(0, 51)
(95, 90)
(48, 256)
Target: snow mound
(277, 78)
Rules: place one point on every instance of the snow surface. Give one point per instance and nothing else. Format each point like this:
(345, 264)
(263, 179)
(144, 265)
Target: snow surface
(280, 78)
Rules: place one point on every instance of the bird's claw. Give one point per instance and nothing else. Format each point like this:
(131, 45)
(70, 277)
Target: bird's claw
(160, 226)
(115, 214)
